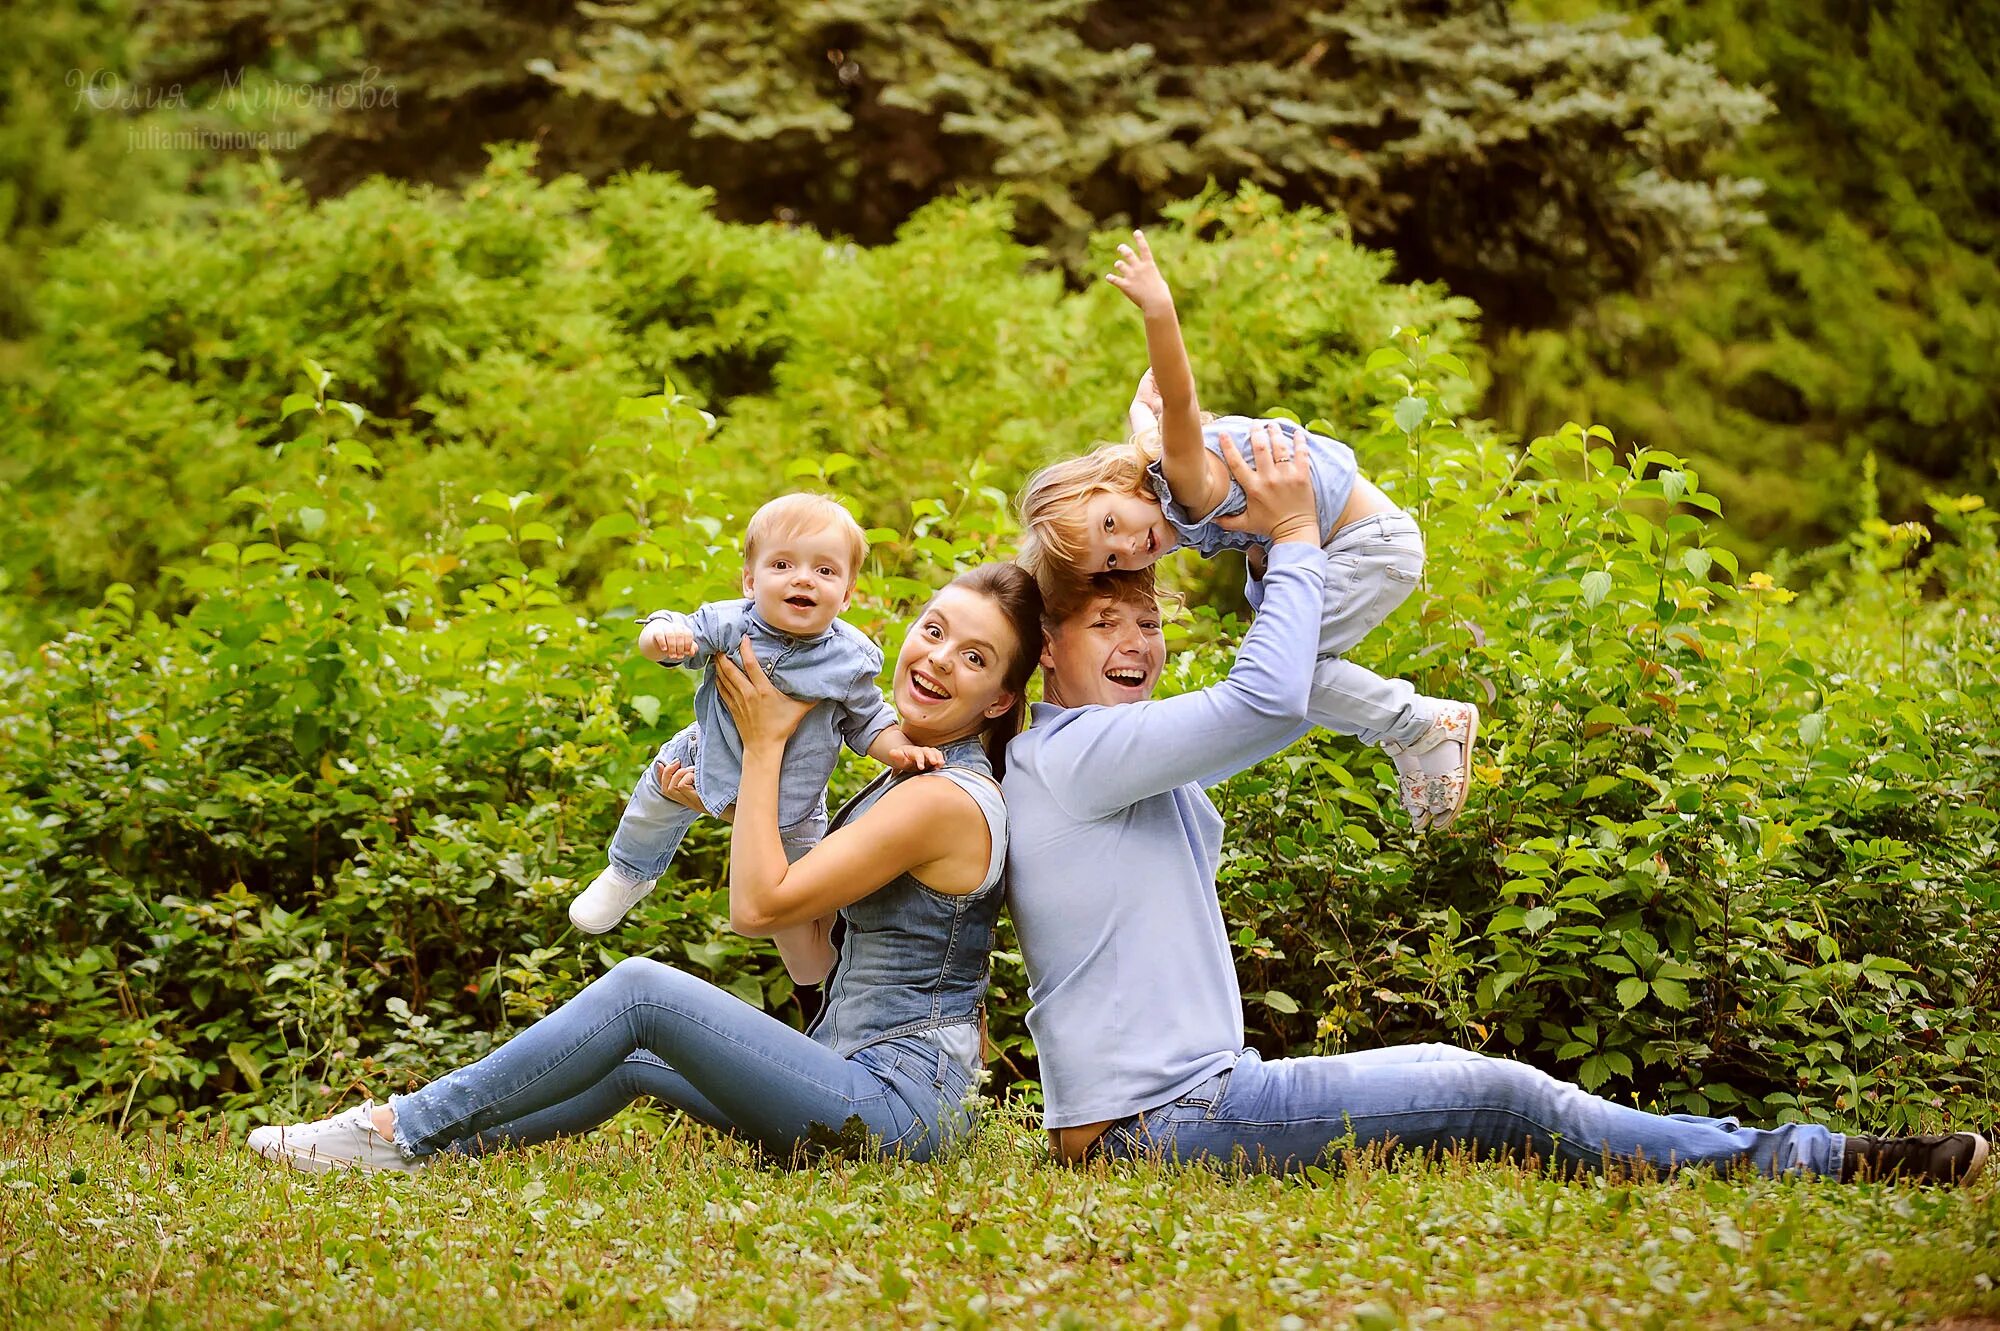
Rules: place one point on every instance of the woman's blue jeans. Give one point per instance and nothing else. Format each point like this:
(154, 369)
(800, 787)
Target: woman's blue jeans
(649, 1029)
(1288, 1113)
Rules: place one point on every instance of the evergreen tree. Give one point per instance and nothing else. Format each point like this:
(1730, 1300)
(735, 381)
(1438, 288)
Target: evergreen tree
(1862, 320)
(1531, 165)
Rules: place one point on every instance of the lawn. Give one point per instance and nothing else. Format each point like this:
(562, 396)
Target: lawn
(682, 1228)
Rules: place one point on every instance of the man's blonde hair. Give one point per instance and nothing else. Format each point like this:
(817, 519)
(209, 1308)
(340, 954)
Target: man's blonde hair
(1053, 539)
(796, 514)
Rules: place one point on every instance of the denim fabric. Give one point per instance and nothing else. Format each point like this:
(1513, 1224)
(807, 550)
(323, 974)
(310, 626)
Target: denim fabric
(1333, 473)
(650, 1029)
(651, 828)
(913, 959)
(838, 669)
(1280, 1116)
(881, 1069)
(1372, 566)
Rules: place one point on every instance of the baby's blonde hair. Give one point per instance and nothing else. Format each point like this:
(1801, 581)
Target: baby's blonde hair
(794, 514)
(1054, 538)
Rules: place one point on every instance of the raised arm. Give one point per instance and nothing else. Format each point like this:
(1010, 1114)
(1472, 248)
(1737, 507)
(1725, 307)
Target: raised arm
(1104, 759)
(1195, 475)
(671, 638)
(929, 828)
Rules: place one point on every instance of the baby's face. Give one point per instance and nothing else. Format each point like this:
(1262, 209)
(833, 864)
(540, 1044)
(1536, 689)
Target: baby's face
(1126, 532)
(801, 580)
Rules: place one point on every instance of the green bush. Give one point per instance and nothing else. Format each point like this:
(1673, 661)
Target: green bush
(300, 805)
(484, 335)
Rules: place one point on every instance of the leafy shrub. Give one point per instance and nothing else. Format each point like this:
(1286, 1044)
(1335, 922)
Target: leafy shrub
(304, 812)
(484, 335)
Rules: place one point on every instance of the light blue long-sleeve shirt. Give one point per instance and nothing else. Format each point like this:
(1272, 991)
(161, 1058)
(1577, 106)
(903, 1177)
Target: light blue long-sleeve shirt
(1112, 858)
(836, 669)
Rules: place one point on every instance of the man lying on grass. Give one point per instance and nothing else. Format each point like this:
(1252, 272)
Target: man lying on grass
(1136, 1016)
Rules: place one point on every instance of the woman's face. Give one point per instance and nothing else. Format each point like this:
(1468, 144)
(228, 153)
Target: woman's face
(950, 674)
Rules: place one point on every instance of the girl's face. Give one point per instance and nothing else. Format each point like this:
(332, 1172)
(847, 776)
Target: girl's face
(951, 671)
(1126, 532)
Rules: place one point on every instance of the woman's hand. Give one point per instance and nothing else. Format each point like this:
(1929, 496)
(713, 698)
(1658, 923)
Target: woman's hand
(677, 784)
(1278, 493)
(762, 714)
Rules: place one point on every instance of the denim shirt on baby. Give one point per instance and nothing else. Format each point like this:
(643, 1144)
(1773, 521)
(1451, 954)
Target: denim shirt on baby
(1330, 462)
(836, 669)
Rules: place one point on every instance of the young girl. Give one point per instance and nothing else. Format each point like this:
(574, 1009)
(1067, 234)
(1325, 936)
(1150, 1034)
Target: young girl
(1124, 505)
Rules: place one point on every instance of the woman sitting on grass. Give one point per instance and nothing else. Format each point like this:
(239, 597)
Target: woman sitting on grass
(913, 864)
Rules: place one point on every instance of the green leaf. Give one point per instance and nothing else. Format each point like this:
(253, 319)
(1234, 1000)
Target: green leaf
(1410, 413)
(1631, 992)
(1672, 992)
(614, 524)
(648, 708)
(1812, 728)
(296, 402)
(1538, 919)
(1383, 357)
(353, 410)
(485, 532)
(1697, 562)
(539, 531)
(1595, 585)
(1279, 1001)
(1673, 484)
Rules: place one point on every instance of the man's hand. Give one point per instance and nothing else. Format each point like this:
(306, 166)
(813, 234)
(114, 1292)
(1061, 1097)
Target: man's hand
(908, 758)
(664, 640)
(1139, 278)
(1279, 496)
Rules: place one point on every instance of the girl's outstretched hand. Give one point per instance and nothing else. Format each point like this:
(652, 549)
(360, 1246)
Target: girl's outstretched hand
(760, 711)
(1140, 279)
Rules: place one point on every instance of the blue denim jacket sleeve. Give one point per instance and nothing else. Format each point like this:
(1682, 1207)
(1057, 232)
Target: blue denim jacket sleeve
(864, 712)
(718, 627)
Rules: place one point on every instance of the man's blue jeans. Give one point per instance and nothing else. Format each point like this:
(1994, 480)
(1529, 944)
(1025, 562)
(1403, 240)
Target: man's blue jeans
(649, 1029)
(1285, 1114)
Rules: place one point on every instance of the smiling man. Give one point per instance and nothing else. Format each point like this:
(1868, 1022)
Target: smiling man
(1136, 1016)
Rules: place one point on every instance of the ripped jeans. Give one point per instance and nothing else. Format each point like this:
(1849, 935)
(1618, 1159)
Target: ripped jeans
(649, 1029)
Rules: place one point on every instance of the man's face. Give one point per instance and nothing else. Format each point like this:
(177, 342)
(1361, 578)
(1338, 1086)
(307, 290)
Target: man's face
(1108, 652)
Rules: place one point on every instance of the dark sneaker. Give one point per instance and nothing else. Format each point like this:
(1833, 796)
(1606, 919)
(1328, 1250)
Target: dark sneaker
(1952, 1157)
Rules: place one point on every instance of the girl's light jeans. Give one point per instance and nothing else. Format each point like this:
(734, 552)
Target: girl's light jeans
(1282, 1115)
(1372, 566)
(649, 1029)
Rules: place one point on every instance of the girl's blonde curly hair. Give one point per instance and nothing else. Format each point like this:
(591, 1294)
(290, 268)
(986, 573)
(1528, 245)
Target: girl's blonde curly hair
(1053, 539)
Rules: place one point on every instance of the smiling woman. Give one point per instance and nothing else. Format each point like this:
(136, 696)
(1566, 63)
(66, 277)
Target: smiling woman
(913, 866)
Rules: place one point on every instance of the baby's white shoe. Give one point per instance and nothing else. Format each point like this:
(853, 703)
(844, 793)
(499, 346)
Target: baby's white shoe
(1434, 770)
(598, 908)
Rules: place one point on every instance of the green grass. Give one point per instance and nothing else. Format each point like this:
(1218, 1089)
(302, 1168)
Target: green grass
(684, 1228)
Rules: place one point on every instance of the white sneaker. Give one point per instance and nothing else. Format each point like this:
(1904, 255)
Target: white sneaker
(1434, 770)
(347, 1140)
(598, 908)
